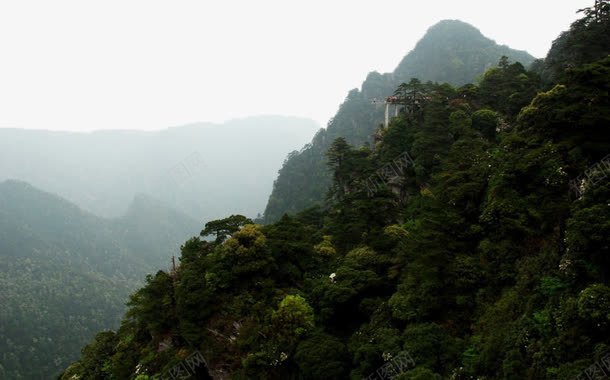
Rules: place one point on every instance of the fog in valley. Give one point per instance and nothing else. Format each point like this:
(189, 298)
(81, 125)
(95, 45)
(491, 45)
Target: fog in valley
(272, 190)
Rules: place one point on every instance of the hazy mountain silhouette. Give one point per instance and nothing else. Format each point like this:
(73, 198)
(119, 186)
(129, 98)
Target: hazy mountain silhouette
(204, 170)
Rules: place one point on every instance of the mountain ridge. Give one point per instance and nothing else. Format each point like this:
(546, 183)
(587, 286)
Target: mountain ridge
(468, 41)
(66, 273)
(357, 119)
(173, 165)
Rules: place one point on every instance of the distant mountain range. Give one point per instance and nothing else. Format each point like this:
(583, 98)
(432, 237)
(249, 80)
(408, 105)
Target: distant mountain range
(66, 273)
(204, 170)
(451, 51)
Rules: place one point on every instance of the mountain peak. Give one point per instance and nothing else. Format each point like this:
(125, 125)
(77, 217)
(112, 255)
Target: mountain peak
(455, 52)
(451, 51)
(452, 25)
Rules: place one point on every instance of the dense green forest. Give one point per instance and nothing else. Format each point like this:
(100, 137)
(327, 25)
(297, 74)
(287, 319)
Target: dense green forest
(470, 241)
(451, 51)
(65, 273)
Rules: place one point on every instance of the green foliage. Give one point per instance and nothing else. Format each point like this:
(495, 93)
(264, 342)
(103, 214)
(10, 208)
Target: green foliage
(154, 303)
(588, 236)
(450, 52)
(66, 274)
(325, 247)
(486, 121)
(225, 227)
(293, 318)
(322, 356)
(588, 40)
(430, 346)
(473, 256)
(508, 87)
(419, 373)
(551, 285)
(594, 304)
(246, 252)
(95, 355)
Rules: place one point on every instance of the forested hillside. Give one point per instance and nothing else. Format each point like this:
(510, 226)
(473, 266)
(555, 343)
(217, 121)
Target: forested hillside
(451, 51)
(65, 273)
(470, 241)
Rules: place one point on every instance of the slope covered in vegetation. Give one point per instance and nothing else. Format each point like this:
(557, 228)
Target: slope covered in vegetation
(471, 242)
(65, 274)
(451, 51)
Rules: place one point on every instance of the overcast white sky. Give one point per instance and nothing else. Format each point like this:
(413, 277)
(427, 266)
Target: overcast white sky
(84, 65)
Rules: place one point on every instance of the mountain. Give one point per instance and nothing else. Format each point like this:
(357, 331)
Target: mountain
(66, 273)
(149, 229)
(472, 241)
(586, 41)
(202, 170)
(455, 52)
(451, 51)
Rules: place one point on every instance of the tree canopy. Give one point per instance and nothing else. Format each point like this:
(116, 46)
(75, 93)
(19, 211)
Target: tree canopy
(472, 257)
